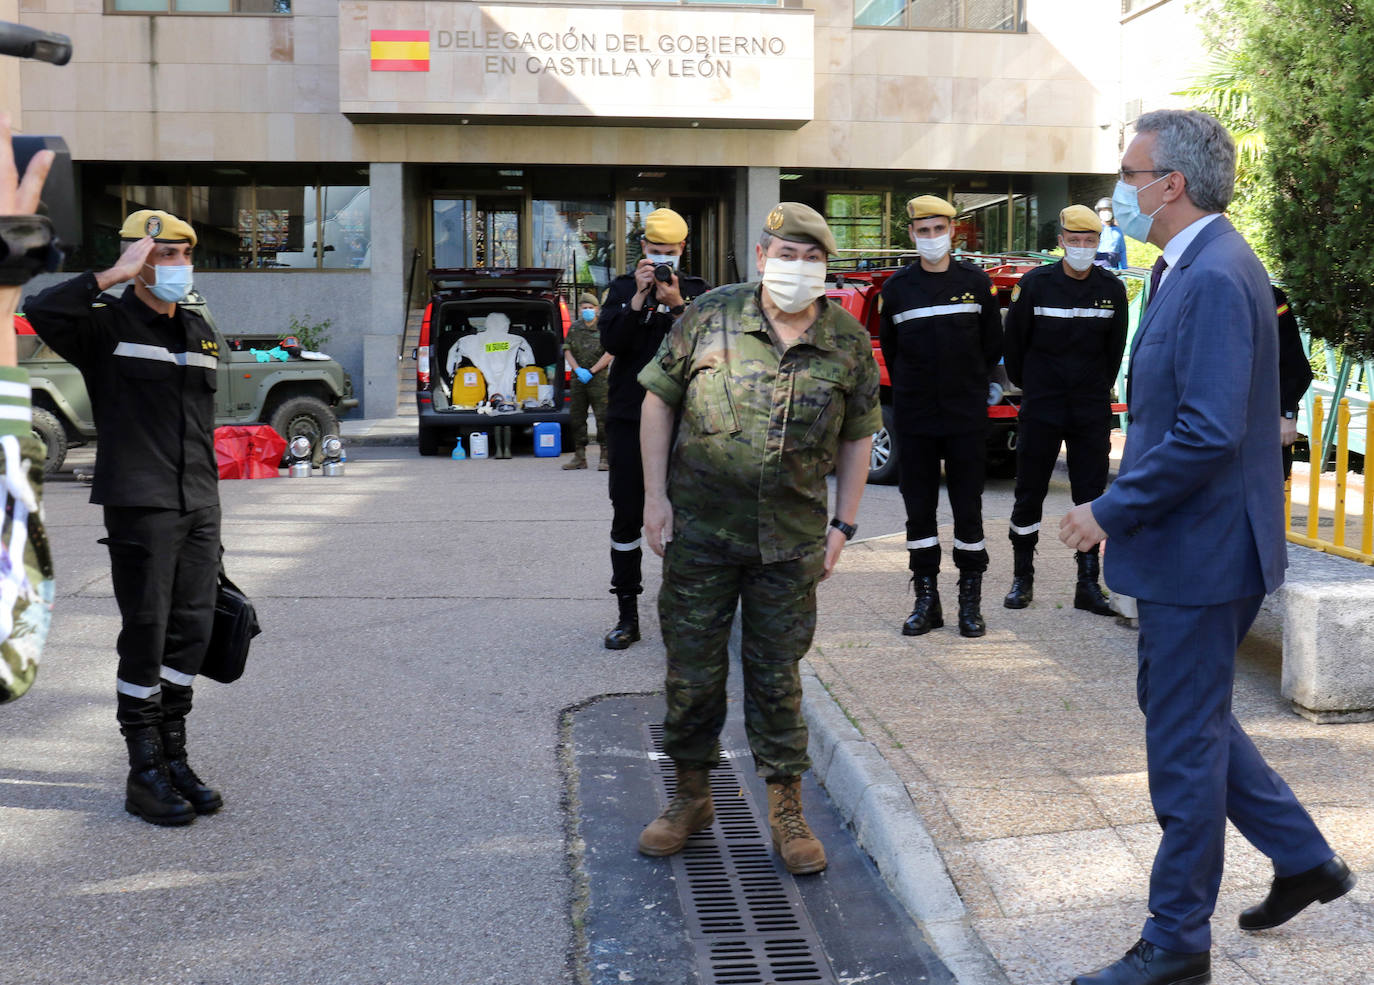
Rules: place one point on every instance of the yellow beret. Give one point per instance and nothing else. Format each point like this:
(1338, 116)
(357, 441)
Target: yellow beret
(926, 206)
(665, 227)
(586, 297)
(1079, 219)
(799, 223)
(162, 226)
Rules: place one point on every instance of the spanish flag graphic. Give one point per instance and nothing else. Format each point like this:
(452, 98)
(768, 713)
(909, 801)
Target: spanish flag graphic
(400, 51)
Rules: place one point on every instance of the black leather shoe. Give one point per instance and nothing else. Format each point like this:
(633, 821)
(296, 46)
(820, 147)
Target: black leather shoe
(1146, 964)
(1022, 592)
(626, 630)
(970, 601)
(926, 614)
(1290, 895)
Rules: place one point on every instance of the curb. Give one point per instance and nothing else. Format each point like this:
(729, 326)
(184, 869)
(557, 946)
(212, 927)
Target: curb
(875, 804)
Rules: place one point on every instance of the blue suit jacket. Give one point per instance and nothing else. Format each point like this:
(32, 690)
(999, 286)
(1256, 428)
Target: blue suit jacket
(1195, 516)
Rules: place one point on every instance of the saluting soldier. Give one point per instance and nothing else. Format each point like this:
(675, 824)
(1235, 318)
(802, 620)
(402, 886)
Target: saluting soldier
(774, 388)
(941, 336)
(1066, 331)
(149, 365)
(639, 309)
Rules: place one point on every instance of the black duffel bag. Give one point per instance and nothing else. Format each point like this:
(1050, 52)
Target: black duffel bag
(236, 623)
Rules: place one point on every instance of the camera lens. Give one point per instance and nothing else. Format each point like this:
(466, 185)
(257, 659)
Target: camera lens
(663, 273)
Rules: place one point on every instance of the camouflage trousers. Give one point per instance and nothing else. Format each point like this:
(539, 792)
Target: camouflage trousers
(777, 605)
(586, 395)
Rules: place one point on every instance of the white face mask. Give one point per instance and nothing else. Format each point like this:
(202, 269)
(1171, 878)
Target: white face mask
(793, 284)
(671, 259)
(1080, 258)
(932, 248)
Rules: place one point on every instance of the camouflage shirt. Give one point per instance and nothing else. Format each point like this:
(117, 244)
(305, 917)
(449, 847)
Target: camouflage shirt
(761, 421)
(584, 342)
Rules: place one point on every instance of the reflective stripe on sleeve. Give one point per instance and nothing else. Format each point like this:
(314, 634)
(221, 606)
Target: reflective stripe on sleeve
(1033, 528)
(177, 677)
(916, 545)
(11, 388)
(14, 412)
(934, 311)
(135, 690)
(1075, 312)
(157, 353)
(631, 546)
(981, 545)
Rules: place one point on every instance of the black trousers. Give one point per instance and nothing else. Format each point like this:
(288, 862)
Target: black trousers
(965, 460)
(626, 479)
(1037, 450)
(164, 565)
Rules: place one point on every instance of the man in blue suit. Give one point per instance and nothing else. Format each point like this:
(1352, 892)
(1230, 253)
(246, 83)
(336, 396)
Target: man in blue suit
(1195, 520)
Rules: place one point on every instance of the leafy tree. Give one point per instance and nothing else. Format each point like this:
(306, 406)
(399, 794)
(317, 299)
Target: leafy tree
(1310, 71)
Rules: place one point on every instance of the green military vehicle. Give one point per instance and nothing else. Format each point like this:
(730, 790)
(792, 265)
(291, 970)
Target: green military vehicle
(300, 396)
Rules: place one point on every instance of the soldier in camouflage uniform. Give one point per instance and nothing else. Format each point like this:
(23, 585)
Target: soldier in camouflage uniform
(26, 573)
(588, 361)
(774, 388)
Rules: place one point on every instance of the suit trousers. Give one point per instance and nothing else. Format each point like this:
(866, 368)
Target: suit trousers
(1203, 769)
(777, 606)
(164, 565)
(1037, 451)
(965, 459)
(626, 480)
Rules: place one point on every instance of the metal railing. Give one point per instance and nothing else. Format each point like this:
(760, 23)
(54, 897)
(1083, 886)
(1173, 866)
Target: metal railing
(1338, 485)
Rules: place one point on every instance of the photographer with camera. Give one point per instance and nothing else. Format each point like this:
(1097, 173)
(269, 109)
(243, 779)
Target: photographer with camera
(26, 590)
(150, 366)
(639, 309)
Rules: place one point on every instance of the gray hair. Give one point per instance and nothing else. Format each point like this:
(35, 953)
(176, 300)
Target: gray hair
(765, 240)
(1198, 147)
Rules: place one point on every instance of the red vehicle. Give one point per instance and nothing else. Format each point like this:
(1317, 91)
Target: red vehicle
(858, 292)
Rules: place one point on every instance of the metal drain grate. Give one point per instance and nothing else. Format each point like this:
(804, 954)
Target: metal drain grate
(744, 915)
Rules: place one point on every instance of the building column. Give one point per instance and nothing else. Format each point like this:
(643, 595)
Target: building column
(382, 335)
(756, 192)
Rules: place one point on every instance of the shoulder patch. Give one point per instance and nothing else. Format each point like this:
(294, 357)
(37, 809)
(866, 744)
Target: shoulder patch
(994, 289)
(1015, 292)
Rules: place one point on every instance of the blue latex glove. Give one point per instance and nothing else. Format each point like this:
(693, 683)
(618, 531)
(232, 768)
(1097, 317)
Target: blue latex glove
(277, 352)
(583, 374)
(261, 355)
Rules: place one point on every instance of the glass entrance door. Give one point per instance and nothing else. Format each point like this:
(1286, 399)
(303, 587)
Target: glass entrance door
(476, 231)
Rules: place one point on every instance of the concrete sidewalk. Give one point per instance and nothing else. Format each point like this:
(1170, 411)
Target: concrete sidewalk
(1023, 754)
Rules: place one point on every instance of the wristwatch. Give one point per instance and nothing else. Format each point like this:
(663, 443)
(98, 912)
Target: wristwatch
(848, 529)
(1291, 415)
(677, 309)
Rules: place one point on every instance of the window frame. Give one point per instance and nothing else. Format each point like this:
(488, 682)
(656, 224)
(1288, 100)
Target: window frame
(110, 8)
(1021, 25)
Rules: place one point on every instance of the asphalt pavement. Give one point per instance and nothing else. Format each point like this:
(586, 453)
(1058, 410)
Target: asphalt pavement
(391, 763)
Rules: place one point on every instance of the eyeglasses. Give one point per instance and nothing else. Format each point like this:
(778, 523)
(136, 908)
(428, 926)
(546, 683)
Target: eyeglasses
(1126, 173)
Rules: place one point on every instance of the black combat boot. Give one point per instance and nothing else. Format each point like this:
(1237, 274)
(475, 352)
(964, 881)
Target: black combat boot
(970, 598)
(626, 631)
(1088, 594)
(925, 614)
(149, 792)
(204, 799)
(1022, 578)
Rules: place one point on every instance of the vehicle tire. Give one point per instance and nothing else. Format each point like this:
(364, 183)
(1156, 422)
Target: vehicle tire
(49, 430)
(882, 462)
(429, 441)
(309, 416)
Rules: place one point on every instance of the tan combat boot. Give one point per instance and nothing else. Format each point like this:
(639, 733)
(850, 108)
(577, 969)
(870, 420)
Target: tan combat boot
(801, 851)
(689, 811)
(578, 461)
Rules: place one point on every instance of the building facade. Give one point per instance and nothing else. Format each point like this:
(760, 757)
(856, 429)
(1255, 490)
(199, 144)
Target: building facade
(329, 153)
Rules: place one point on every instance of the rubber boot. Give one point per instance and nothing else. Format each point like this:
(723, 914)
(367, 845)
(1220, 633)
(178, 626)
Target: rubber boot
(801, 851)
(926, 613)
(204, 799)
(1022, 578)
(503, 442)
(149, 792)
(970, 599)
(578, 461)
(688, 812)
(626, 631)
(1088, 594)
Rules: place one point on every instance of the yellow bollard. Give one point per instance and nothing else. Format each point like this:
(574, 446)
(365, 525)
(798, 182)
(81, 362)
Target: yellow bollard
(1342, 464)
(1314, 468)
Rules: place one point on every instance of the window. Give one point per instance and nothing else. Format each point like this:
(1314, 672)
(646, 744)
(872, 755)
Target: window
(198, 6)
(265, 217)
(576, 235)
(942, 15)
(857, 220)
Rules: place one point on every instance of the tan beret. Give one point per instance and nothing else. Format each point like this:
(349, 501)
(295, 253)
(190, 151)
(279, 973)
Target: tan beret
(799, 223)
(928, 206)
(588, 298)
(665, 227)
(1079, 219)
(162, 226)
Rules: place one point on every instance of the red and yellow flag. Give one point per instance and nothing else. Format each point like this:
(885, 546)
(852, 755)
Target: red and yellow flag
(400, 51)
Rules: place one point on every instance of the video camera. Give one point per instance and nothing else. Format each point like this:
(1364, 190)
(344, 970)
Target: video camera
(30, 244)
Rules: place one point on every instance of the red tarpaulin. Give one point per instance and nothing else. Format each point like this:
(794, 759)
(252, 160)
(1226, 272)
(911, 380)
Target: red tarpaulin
(248, 452)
